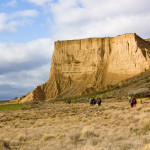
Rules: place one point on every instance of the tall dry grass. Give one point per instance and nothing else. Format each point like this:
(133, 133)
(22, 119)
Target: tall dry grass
(112, 126)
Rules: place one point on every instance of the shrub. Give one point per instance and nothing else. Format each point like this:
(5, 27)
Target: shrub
(4, 145)
(74, 137)
(47, 137)
(88, 131)
(21, 137)
(144, 130)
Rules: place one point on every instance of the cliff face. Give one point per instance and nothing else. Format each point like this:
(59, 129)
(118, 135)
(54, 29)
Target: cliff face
(82, 66)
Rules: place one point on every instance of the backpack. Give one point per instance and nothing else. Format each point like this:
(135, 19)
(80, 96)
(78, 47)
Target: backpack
(134, 101)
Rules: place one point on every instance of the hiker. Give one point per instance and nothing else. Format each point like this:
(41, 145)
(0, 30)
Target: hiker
(134, 102)
(131, 101)
(94, 101)
(69, 101)
(99, 101)
(91, 101)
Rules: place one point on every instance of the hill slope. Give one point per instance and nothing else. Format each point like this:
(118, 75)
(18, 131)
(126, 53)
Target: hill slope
(140, 81)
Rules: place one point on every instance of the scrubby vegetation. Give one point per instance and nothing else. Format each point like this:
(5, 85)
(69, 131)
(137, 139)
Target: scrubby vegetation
(79, 126)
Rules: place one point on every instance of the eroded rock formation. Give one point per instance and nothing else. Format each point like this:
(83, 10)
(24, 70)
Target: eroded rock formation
(82, 66)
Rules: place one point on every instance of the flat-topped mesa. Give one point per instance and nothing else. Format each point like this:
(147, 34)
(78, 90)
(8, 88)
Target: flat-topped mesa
(86, 65)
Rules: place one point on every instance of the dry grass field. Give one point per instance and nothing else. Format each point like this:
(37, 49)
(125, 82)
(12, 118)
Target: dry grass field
(78, 126)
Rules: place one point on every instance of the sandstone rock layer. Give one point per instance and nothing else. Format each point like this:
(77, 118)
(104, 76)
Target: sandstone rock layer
(92, 64)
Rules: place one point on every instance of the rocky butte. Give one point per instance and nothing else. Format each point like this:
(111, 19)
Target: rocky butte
(92, 64)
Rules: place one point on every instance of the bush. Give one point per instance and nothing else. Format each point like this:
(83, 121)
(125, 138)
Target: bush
(88, 131)
(47, 137)
(74, 137)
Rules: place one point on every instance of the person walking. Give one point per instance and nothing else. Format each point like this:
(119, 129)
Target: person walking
(94, 101)
(91, 101)
(69, 101)
(99, 101)
(131, 101)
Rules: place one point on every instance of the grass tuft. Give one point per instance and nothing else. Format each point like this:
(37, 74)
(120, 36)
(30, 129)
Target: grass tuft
(74, 136)
(47, 137)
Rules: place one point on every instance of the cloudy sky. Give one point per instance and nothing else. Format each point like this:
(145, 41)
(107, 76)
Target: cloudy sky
(28, 29)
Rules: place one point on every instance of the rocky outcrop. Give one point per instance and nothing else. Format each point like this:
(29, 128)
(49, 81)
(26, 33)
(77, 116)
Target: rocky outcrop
(141, 92)
(82, 66)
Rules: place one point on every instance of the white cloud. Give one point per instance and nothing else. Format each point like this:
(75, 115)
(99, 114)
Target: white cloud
(39, 2)
(11, 3)
(6, 27)
(26, 78)
(24, 66)
(9, 22)
(26, 13)
(86, 18)
(13, 54)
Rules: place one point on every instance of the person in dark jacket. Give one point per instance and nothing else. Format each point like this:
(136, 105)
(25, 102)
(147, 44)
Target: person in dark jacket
(69, 101)
(99, 101)
(94, 101)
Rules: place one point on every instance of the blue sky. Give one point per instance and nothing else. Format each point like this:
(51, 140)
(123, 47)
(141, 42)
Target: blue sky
(28, 29)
